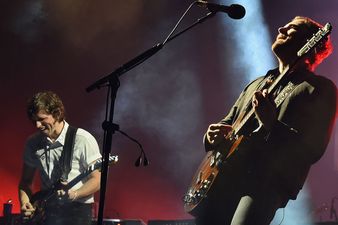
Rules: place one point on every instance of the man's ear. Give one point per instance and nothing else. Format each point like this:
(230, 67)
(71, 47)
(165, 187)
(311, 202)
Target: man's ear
(57, 115)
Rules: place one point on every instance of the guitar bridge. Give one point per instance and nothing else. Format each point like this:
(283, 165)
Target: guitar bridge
(215, 160)
(193, 196)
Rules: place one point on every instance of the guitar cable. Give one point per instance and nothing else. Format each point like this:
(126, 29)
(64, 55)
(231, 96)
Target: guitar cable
(142, 159)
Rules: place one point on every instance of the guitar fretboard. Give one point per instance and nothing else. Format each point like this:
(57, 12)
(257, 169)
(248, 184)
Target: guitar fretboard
(90, 169)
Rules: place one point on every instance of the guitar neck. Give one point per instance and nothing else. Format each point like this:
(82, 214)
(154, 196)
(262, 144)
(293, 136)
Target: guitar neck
(77, 179)
(90, 169)
(237, 127)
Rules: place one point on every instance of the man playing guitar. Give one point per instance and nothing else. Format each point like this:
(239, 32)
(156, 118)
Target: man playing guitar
(288, 132)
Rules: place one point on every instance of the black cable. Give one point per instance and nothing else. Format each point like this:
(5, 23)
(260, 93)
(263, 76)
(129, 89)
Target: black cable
(142, 159)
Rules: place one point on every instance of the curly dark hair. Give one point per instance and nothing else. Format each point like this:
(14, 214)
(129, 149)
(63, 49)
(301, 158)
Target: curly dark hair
(46, 101)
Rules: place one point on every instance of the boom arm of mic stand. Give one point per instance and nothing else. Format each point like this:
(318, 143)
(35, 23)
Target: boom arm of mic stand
(126, 67)
(200, 20)
(113, 82)
(141, 58)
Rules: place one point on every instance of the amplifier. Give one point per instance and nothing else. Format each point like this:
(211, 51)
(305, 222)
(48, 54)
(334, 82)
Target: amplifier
(171, 222)
(119, 222)
(327, 223)
(13, 219)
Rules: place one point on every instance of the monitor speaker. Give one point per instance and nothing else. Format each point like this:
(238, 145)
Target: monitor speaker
(171, 222)
(120, 222)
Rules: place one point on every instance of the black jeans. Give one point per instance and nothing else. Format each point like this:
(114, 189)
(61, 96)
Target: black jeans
(70, 213)
(248, 202)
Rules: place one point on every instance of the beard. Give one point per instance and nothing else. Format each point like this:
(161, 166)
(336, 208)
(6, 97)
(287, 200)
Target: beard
(45, 130)
(48, 129)
(285, 50)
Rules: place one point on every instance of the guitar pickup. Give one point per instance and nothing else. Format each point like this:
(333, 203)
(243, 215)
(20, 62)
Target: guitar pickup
(199, 177)
(214, 159)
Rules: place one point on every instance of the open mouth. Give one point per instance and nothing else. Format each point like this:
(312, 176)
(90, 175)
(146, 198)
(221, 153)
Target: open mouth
(43, 129)
(282, 37)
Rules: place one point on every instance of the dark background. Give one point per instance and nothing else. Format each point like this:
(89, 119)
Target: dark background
(166, 103)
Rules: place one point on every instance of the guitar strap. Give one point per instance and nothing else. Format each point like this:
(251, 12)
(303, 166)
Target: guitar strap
(67, 153)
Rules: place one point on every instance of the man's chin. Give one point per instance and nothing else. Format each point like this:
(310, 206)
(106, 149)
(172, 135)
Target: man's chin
(277, 48)
(44, 132)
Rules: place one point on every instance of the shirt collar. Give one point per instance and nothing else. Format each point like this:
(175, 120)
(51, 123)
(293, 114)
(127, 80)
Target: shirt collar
(62, 137)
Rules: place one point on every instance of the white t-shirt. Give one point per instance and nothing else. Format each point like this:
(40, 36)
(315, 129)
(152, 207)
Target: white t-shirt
(44, 155)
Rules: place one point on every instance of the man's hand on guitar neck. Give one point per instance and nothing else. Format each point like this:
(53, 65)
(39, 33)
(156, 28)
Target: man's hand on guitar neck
(217, 133)
(69, 195)
(265, 109)
(27, 210)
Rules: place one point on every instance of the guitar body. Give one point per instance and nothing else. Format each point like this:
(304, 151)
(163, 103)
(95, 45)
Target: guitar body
(203, 182)
(39, 201)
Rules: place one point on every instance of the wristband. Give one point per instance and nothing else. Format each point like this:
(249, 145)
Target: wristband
(75, 196)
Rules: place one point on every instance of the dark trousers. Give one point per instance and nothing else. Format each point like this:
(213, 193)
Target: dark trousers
(70, 213)
(249, 209)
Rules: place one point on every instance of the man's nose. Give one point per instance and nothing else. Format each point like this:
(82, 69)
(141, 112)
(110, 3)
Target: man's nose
(38, 124)
(282, 30)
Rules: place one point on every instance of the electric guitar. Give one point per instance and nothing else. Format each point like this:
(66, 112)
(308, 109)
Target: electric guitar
(213, 163)
(41, 199)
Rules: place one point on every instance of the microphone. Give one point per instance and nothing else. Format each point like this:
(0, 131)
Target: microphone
(142, 159)
(234, 11)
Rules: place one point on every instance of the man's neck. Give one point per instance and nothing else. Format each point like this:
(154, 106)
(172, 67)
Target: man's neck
(58, 129)
(283, 66)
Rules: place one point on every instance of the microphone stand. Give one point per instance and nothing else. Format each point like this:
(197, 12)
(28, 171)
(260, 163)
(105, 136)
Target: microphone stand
(333, 212)
(113, 83)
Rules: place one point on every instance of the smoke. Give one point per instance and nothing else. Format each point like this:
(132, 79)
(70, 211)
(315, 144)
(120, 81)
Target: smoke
(82, 22)
(76, 22)
(165, 105)
(161, 103)
(27, 21)
(297, 212)
(250, 37)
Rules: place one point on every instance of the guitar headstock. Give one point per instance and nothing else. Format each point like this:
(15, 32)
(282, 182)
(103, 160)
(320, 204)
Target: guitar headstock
(316, 39)
(113, 159)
